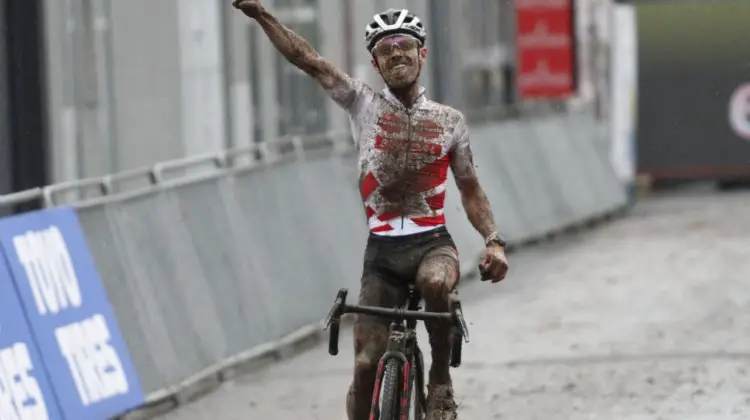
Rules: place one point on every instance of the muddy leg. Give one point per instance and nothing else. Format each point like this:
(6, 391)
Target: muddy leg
(370, 339)
(436, 279)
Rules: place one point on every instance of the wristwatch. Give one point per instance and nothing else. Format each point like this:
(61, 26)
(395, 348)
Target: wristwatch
(494, 237)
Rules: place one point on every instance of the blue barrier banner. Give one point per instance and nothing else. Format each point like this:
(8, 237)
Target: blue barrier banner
(67, 308)
(25, 392)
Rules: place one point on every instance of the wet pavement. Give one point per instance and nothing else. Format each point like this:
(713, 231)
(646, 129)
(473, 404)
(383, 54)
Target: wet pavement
(647, 317)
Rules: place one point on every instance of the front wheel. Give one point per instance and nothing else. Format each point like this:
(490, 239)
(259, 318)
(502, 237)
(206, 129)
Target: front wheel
(388, 402)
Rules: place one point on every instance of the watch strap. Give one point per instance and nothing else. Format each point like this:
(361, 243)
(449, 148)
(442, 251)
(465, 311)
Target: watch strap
(494, 237)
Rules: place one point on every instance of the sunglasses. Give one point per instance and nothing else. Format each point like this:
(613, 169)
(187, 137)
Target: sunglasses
(404, 43)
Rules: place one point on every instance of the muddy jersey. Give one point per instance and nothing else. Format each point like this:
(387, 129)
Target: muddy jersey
(404, 156)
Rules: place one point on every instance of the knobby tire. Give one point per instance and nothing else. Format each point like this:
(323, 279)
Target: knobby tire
(389, 395)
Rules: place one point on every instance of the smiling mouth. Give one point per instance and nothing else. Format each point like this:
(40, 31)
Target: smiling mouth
(399, 67)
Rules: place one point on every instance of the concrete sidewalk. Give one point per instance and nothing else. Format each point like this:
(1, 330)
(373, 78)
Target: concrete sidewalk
(646, 318)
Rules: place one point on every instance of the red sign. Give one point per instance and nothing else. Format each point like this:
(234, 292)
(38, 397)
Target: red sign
(545, 40)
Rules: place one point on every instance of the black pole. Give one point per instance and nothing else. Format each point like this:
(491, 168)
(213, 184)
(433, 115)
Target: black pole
(26, 96)
(6, 172)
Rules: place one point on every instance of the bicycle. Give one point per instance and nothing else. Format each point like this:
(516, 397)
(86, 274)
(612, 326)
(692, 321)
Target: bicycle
(400, 374)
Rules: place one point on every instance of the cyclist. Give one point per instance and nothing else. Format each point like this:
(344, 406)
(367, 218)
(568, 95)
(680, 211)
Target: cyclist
(406, 144)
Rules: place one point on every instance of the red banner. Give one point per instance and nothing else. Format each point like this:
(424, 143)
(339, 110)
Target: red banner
(545, 40)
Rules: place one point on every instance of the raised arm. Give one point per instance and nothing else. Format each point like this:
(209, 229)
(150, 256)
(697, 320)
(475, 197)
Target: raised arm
(494, 264)
(299, 52)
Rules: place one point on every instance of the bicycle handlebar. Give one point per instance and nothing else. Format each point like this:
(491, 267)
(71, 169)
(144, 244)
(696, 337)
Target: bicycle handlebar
(396, 314)
(333, 321)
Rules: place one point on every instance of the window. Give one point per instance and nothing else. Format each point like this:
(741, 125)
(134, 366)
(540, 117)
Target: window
(485, 57)
(257, 128)
(302, 107)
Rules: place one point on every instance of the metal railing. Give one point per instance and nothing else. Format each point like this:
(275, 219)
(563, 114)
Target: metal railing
(183, 169)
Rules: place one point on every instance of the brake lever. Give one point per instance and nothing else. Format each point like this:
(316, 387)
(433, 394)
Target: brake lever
(337, 306)
(460, 321)
(333, 313)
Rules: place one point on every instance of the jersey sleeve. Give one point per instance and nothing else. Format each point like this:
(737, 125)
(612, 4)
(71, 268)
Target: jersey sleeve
(460, 136)
(350, 94)
(461, 156)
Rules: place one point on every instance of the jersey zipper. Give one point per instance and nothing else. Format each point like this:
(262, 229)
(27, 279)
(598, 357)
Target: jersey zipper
(406, 160)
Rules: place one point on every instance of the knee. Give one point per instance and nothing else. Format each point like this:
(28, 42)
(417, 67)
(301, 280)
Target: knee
(436, 291)
(365, 365)
(369, 345)
(437, 283)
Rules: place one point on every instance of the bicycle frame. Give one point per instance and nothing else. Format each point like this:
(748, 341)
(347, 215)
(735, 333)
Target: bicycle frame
(402, 343)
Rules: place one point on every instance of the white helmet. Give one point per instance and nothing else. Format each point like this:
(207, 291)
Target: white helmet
(393, 21)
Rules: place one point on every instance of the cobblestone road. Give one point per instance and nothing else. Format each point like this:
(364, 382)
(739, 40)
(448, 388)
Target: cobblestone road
(645, 318)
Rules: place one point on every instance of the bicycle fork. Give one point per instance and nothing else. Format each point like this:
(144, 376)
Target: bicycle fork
(406, 391)
(405, 372)
(397, 346)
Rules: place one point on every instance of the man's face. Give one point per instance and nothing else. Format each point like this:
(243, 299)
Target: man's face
(398, 58)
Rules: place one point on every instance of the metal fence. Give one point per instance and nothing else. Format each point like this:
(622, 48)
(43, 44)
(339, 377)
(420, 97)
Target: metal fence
(214, 259)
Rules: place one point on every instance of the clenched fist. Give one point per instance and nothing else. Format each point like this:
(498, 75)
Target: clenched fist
(494, 264)
(251, 8)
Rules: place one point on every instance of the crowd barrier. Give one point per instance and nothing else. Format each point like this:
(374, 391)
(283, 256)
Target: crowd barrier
(135, 296)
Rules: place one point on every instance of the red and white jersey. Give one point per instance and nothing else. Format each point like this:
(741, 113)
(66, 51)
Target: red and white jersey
(404, 156)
